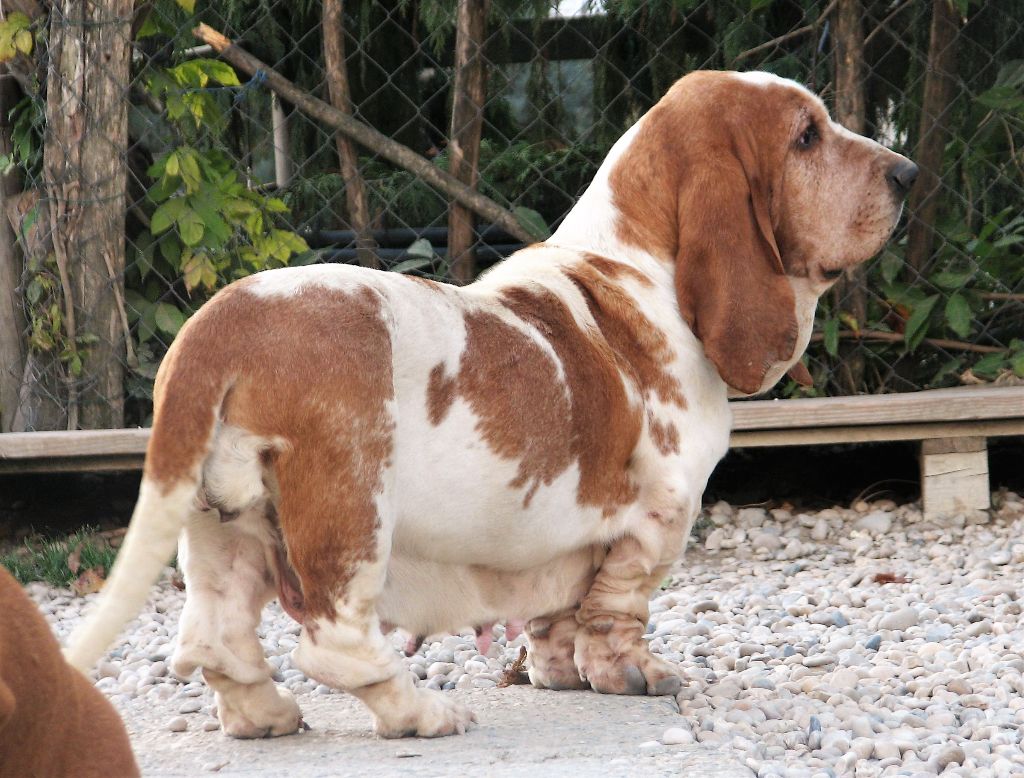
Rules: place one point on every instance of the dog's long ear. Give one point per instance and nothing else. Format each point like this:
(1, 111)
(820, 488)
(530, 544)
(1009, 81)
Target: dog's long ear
(730, 280)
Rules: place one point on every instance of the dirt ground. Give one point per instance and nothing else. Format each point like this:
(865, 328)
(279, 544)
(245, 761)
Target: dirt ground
(522, 731)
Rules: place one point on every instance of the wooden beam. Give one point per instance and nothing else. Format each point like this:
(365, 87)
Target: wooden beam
(802, 436)
(934, 405)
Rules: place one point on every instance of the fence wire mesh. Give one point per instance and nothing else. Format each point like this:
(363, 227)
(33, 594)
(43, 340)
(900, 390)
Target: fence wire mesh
(142, 171)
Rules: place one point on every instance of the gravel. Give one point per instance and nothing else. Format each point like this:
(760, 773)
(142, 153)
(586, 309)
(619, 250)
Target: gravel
(849, 641)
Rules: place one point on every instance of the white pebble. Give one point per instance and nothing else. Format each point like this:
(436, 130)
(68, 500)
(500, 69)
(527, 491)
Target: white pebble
(177, 724)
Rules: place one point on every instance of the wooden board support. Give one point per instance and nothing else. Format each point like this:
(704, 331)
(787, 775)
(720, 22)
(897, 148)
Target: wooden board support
(954, 476)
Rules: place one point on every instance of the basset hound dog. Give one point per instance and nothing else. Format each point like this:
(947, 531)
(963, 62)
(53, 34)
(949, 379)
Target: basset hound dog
(378, 450)
(53, 722)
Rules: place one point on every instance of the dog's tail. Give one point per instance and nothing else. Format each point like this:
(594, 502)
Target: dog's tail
(187, 400)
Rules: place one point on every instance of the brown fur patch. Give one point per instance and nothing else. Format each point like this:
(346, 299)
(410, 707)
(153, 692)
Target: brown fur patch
(664, 434)
(617, 270)
(605, 427)
(525, 411)
(441, 392)
(640, 348)
(325, 397)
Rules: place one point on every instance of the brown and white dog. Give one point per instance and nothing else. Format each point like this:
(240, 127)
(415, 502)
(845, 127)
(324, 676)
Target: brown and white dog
(378, 449)
(53, 722)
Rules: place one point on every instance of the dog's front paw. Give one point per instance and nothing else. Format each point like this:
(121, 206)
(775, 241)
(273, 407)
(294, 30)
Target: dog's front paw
(436, 715)
(613, 657)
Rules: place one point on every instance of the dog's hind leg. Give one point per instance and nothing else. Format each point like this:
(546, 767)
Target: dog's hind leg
(338, 533)
(229, 577)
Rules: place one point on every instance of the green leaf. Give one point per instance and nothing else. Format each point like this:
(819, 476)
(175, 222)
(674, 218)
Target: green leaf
(172, 166)
(135, 304)
(1017, 363)
(532, 222)
(220, 72)
(34, 291)
(917, 324)
(831, 332)
(891, 264)
(168, 318)
(189, 6)
(416, 263)
(989, 365)
(420, 248)
(216, 227)
(190, 227)
(190, 170)
(951, 280)
(166, 215)
(23, 41)
(958, 315)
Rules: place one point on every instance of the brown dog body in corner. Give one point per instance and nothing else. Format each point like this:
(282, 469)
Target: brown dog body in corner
(53, 722)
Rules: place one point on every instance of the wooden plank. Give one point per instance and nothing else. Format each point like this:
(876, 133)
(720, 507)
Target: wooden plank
(97, 463)
(934, 405)
(954, 477)
(798, 436)
(79, 443)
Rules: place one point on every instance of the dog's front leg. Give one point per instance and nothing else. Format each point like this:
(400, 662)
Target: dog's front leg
(610, 651)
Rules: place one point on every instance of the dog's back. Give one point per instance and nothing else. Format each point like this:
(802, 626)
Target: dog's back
(53, 722)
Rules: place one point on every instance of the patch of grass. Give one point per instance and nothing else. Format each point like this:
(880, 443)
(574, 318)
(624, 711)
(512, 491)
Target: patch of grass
(46, 559)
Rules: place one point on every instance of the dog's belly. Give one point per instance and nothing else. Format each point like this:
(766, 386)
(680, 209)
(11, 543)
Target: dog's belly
(425, 597)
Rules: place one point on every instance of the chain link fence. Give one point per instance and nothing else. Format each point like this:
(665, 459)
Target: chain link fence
(143, 171)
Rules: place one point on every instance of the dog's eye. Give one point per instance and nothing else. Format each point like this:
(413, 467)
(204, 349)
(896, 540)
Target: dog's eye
(808, 138)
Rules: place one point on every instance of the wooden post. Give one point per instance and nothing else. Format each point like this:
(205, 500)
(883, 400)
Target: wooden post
(467, 123)
(954, 476)
(851, 291)
(282, 147)
(933, 131)
(333, 28)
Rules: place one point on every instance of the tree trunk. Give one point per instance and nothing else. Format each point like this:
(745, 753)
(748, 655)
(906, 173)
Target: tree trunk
(84, 177)
(468, 95)
(851, 293)
(12, 318)
(939, 92)
(341, 98)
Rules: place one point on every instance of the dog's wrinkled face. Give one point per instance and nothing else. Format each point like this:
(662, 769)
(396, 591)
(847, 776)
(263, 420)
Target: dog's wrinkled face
(764, 201)
(839, 196)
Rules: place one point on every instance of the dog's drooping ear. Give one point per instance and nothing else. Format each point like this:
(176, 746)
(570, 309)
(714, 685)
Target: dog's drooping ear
(730, 281)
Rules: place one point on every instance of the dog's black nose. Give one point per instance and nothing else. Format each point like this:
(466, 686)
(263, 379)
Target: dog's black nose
(902, 175)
